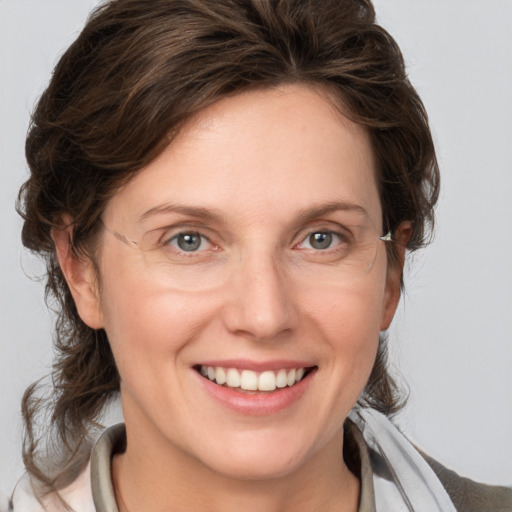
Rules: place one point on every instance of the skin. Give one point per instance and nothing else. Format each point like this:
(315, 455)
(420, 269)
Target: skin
(257, 159)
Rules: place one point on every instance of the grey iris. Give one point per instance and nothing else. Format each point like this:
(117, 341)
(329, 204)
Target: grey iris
(189, 241)
(320, 240)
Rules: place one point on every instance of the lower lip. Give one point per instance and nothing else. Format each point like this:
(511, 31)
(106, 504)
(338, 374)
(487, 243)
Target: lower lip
(257, 404)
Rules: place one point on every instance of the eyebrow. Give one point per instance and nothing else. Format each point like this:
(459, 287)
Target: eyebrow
(213, 215)
(192, 211)
(306, 215)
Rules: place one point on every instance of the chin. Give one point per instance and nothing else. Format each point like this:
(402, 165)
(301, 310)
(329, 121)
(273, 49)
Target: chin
(258, 459)
(255, 468)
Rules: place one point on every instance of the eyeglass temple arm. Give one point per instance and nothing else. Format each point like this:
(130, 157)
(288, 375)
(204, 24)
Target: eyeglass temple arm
(388, 237)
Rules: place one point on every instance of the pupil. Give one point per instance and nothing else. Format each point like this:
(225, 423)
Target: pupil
(320, 240)
(189, 241)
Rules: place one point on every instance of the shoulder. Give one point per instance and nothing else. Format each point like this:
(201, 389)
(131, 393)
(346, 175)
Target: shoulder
(24, 498)
(403, 474)
(470, 496)
(77, 496)
(92, 490)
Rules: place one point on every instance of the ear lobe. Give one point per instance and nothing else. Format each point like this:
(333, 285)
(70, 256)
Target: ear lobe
(393, 281)
(80, 276)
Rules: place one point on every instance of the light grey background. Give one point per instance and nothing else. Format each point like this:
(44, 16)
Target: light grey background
(452, 335)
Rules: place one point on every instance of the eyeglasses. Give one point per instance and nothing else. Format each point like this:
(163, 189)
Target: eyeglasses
(192, 257)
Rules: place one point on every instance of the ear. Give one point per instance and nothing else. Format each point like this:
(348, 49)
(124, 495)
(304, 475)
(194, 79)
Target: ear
(80, 275)
(393, 280)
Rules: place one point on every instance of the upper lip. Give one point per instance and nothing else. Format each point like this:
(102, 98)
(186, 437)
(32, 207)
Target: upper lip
(257, 366)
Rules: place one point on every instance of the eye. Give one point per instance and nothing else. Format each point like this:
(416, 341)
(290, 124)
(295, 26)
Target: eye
(189, 242)
(321, 240)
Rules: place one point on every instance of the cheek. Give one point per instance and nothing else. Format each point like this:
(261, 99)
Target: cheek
(349, 322)
(355, 339)
(150, 322)
(146, 326)
(349, 314)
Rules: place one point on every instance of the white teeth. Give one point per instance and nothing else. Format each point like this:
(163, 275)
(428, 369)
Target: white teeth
(267, 381)
(281, 379)
(291, 377)
(220, 375)
(251, 381)
(233, 378)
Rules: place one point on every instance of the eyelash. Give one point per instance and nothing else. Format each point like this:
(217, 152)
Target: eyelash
(335, 234)
(168, 241)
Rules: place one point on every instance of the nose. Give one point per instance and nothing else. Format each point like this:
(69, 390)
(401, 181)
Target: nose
(260, 301)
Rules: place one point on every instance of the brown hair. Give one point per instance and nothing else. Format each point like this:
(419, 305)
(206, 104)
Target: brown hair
(135, 74)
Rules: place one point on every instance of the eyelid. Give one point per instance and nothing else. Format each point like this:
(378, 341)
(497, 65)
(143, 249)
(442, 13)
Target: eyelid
(216, 239)
(168, 232)
(184, 232)
(160, 237)
(336, 243)
(325, 227)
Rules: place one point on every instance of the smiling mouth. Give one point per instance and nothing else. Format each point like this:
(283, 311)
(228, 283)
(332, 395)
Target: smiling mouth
(248, 381)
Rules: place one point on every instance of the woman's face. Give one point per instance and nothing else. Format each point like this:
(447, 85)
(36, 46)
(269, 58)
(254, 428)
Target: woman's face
(256, 256)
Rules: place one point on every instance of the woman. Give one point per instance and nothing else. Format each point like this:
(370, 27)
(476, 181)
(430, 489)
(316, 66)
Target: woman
(224, 194)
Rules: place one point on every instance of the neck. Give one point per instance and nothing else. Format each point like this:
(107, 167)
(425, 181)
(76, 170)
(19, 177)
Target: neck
(158, 476)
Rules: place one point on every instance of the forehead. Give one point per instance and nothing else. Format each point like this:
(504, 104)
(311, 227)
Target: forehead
(259, 153)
